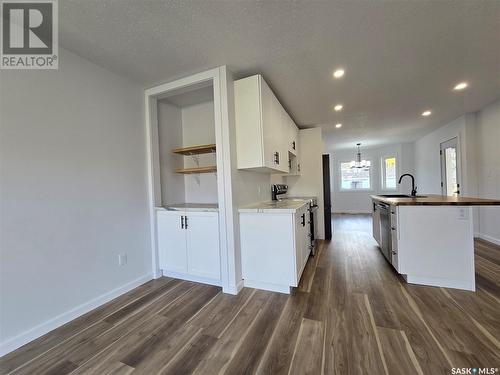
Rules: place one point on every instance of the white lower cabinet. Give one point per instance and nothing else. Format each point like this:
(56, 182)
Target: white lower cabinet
(274, 248)
(188, 245)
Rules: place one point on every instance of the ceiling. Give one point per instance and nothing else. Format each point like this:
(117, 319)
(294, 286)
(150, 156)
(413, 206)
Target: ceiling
(400, 57)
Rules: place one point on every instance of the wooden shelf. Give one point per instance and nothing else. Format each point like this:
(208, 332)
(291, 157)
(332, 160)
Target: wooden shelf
(209, 169)
(195, 150)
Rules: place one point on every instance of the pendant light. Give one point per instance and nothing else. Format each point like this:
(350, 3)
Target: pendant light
(359, 163)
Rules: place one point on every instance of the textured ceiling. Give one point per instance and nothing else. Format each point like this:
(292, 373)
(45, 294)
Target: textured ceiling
(400, 57)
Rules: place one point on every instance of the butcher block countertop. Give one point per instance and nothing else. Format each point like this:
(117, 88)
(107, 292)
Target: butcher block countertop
(435, 200)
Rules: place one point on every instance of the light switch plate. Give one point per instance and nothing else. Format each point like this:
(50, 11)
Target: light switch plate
(122, 259)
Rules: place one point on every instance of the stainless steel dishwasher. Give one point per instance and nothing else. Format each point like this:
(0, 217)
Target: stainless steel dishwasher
(385, 230)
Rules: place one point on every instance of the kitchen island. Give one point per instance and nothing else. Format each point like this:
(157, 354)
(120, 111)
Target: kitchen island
(428, 239)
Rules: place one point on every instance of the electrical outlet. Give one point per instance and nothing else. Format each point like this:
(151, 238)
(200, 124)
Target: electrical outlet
(463, 213)
(122, 259)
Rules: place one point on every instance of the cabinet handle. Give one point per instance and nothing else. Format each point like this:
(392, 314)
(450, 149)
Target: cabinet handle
(182, 222)
(186, 222)
(276, 157)
(303, 220)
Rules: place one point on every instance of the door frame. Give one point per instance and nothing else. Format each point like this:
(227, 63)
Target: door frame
(219, 78)
(442, 160)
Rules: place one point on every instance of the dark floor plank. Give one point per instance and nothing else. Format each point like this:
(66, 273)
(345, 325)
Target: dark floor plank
(399, 356)
(278, 356)
(232, 337)
(247, 359)
(308, 355)
(188, 359)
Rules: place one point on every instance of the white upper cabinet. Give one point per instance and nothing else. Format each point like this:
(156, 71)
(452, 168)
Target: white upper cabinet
(263, 128)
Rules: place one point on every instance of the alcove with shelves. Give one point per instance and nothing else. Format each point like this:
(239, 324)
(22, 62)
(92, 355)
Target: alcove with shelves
(187, 147)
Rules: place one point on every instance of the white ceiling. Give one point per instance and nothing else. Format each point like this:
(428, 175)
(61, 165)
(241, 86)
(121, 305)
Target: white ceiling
(401, 57)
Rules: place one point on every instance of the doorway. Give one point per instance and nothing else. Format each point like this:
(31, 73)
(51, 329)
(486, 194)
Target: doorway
(450, 167)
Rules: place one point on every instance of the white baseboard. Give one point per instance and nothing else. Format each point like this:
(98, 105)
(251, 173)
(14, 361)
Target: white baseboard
(15, 342)
(267, 286)
(485, 237)
(444, 283)
(196, 279)
(234, 289)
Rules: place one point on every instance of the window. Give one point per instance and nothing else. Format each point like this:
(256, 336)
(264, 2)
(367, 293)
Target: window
(354, 178)
(389, 173)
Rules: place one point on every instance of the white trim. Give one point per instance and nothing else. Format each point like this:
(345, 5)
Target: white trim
(25, 337)
(218, 78)
(445, 283)
(267, 286)
(382, 186)
(485, 237)
(188, 277)
(338, 173)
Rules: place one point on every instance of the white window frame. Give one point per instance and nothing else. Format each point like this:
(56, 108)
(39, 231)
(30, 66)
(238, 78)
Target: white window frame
(339, 174)
(383, 186)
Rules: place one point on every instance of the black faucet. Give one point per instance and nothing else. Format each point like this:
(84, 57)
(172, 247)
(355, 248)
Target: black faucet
(413, 187)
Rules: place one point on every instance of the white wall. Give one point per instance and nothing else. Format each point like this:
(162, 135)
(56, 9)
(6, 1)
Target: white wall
(360, 201)
(170, 137)
(198, 128)
(73, 194)
(427, 159)
(488, 134)
(479, 137)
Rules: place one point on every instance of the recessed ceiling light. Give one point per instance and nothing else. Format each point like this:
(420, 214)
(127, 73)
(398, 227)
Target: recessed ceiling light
(338, 107)
(339, 125)
(460, 86)
(339, 73)
(426, 113)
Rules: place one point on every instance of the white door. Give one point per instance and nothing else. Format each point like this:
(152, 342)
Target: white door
(172, 241)
(203, 244)
(450, 167)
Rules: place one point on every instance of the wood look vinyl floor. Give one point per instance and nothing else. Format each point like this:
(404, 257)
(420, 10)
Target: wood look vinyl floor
(351, 314)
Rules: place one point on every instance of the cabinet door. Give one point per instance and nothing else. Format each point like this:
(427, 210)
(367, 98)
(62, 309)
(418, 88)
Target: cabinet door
(301, 241)
(203, 252)
(171, 241)
(271, 118)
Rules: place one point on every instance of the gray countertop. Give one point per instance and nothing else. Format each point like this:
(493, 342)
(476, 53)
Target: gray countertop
(287, 206)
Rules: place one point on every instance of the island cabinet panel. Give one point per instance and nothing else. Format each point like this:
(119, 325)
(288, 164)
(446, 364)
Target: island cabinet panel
(435, 246)
(264, 134)
(188, 245)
